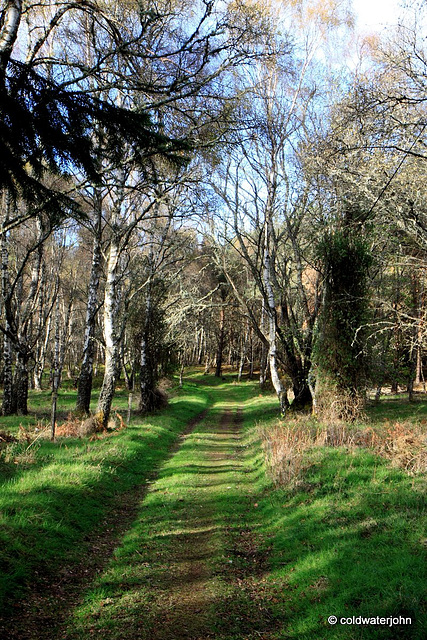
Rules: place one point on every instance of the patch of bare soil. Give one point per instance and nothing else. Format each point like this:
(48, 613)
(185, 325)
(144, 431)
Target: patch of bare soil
(46, 607)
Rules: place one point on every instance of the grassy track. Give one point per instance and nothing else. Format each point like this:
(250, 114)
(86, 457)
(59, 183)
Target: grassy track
(213, 550)
(58, 500)
(186, 567)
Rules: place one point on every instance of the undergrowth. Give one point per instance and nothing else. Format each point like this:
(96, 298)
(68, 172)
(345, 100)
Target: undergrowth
(345, 513)
(403, 443)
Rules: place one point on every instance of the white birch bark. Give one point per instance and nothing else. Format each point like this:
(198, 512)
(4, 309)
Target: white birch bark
(146, 377)
(42, 351)
(263, 364)
(272, 327)
(11, 15)
(110, 335)
(84, 385)
(56, 374)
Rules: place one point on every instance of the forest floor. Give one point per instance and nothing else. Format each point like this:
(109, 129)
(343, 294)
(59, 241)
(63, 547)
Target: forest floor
(198, 544)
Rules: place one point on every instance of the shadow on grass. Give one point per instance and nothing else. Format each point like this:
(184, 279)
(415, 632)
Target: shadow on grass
(214, 552)
(170, 578)
(52, 512)
(350, 542)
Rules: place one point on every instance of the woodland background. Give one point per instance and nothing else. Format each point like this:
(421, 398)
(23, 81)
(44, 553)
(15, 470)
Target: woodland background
(215, 183)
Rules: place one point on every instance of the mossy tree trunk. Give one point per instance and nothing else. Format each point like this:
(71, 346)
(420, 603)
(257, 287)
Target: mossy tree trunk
(340, 353)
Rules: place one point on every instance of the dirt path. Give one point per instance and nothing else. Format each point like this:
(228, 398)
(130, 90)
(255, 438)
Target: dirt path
(180, 569)
(187, 592)
(176, 561)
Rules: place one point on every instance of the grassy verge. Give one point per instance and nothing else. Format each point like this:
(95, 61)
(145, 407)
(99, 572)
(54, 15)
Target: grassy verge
(349, 539)
(54, 494)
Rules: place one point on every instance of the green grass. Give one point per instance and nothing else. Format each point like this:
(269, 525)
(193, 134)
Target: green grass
(59, 492)
(350, 539)
(194, 500)
(347, 538)
(398, 407)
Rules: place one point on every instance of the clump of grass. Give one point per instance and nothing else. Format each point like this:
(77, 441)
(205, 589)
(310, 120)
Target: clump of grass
(284, 448)
(286, 445)
(337, 405)
(404, 444)
(20, 456)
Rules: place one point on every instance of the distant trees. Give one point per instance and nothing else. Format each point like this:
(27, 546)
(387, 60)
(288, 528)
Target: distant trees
(186, 184)
(371, 161)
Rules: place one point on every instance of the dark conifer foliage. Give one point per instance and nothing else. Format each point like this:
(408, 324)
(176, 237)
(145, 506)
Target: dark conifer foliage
(44, 128)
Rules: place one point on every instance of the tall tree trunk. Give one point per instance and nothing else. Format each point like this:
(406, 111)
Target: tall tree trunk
(41, 357)
(11, 18)
(252, 356)
(56, 372)
(111, 336)
(418, 285)
(413, 350)
(9, 399)
(64, 337)
(272, 329)
(43, 330)
(221, 340)
(207, 364)
(21, 382)
(397, 334)
(146, 378)
(264, 350)
(201, 346)
(84, 384)
(243, 352)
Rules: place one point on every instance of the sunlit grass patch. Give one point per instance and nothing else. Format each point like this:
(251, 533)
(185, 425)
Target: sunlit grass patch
(398, 407)
(50, 503)
(347, 536)
(348, 540)
(182, 543)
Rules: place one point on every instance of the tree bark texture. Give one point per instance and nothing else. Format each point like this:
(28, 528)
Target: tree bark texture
(111, 336)
(84, 384)
(9, 400)
(21, 383)
(147, 379)
(11, 18)
(56, 371)
(221, 340)
(272, 329)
